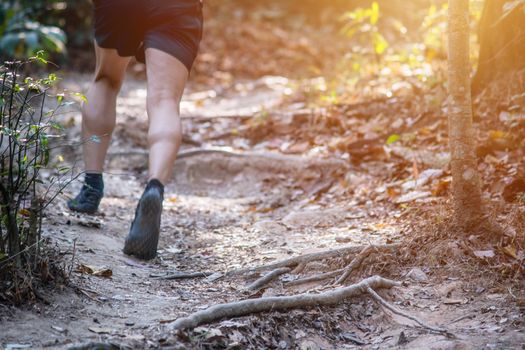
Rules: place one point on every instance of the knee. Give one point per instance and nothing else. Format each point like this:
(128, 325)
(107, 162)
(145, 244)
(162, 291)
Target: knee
(112, 82)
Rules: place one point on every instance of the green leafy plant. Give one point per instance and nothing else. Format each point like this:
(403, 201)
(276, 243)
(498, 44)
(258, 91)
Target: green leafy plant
(21, 35)
(27, 128)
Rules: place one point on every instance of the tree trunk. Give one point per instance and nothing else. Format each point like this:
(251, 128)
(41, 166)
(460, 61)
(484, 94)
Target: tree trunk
(502, 44)
(13, 235)
(466, 183)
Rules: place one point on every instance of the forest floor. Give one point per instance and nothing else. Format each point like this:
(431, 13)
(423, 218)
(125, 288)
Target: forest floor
(248, 197)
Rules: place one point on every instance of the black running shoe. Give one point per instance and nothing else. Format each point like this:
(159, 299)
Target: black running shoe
(87, 201)
(143, 236)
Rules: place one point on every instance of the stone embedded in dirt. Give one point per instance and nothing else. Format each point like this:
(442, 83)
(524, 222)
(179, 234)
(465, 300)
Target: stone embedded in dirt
(447, 289)
(425, 177)
(269, 226)
(417, 274)
(412, 196)
(484, 253)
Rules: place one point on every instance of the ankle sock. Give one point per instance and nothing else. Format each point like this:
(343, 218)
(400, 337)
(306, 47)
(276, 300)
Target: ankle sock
(90, 195)
(94, 181)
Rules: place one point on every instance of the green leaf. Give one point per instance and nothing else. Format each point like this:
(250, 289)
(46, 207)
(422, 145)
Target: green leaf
(392, 139)
(82, 96)
(40, 55)
(374, 14)
(380, 44)
(57, 126)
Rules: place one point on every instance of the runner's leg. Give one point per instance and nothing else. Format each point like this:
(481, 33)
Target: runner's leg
(167, 77)
(99, 113)
(98, 122)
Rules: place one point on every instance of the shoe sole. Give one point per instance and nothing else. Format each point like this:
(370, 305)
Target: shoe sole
(143, 237)
(72, 207)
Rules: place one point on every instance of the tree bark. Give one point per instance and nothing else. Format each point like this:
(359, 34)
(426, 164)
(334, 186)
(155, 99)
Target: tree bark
(502, 44)
(466, 182)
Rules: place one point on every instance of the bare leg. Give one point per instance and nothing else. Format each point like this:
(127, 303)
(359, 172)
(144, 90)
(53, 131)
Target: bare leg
(167, 77)
(99, 113)
(98, 122)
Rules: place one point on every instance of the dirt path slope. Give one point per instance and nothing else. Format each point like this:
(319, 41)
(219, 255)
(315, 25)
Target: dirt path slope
(230, 210)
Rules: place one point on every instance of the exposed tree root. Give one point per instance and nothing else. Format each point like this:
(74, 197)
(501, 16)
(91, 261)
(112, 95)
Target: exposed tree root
(356, 262)
(396, 311)
(256, 160)
(251, 306)
(261, 282)
(315, 278)
(298, 260)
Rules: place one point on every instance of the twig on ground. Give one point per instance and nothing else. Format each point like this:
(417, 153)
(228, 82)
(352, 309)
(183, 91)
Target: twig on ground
(98, 346)
(251, 306)
(297, 260)
(356, 262)
(86, 293)
(261, 282)
(182, 275)
(396, 311)
(315, 278)
(461, 318)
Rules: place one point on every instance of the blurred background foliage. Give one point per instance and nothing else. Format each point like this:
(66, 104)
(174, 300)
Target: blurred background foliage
(61, 28)
(345, 41)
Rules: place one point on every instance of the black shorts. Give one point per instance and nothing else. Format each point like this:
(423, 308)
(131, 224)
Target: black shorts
(131, 26)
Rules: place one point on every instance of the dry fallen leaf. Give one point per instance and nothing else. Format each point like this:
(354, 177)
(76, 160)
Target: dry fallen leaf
(511, 251)
(172, 200)
(91, 270)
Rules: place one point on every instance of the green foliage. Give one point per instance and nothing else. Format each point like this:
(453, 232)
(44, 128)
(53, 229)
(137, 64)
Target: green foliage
(21, 35)
(363, 22)
(434, 30)
(26, 127)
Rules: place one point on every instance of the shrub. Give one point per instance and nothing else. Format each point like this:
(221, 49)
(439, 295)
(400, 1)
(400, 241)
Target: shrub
(26, 128)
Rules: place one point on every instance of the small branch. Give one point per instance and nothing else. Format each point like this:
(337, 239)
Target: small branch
(358, 260)
(396, 311)
(259, 283)
(252, 306)
(315, 278)
(182, 275)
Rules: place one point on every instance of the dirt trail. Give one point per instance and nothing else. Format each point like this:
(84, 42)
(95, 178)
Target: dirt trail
(226, 211)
